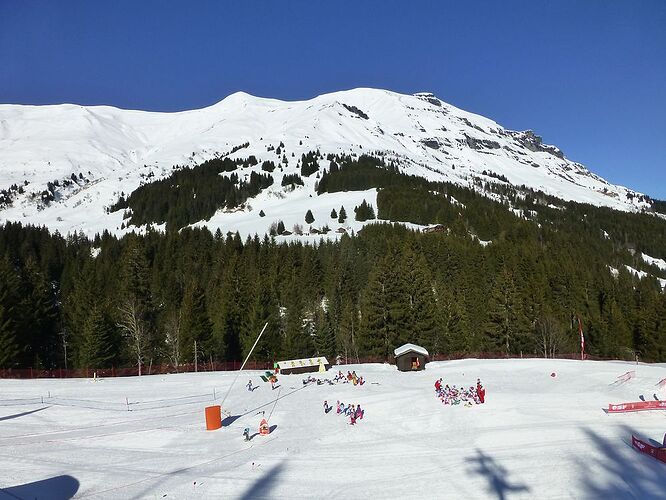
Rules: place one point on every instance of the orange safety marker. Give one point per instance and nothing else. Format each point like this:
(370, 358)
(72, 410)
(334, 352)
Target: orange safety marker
(213, 417)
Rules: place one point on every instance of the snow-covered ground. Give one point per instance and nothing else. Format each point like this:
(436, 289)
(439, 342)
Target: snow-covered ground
(112, 151)
(653, 261)
(536, 436)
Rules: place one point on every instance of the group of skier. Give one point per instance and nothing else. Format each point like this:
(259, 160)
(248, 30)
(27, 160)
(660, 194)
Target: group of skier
(452, 395)
(318, 381)
(351, 377)
(354, 412)
(269, 377)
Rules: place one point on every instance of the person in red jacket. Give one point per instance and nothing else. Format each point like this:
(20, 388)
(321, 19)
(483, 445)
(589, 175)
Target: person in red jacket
(480, 391)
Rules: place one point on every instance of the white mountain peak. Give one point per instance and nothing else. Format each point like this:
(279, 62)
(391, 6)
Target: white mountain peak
(116, 150)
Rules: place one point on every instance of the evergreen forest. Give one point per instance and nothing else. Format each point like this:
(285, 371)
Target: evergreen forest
(510, 277)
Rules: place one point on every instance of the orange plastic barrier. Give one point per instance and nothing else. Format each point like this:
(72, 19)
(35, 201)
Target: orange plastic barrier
(213, 417)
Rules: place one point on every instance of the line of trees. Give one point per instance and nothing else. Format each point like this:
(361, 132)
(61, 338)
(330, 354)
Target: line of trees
(147, 299)
(143, 299)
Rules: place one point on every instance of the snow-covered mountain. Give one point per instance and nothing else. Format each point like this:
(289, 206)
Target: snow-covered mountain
(92, 154)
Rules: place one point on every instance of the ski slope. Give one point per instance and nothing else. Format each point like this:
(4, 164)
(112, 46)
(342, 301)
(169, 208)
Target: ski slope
(536, 436)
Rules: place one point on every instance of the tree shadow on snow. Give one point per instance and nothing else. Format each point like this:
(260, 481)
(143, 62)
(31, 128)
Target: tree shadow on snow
(496, 475)
(263, 487)
(628, 473)
(17, 415)
(60, 487)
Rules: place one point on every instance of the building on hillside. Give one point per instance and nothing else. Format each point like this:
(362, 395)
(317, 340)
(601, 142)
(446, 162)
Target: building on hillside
(438, 228)
(304, 365)
(411, 357)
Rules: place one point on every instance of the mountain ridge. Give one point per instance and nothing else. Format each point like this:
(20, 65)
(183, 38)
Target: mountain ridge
(108, 151)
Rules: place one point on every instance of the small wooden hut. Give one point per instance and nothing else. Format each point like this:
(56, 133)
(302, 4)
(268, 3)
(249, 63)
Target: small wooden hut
(411, 357)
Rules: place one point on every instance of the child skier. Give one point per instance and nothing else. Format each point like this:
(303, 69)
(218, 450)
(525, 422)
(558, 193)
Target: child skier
(359, 412)
(326, 407)
(246, 434)
(249, 385)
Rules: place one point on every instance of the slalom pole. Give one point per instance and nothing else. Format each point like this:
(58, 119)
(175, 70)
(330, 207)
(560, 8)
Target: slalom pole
(243, 365)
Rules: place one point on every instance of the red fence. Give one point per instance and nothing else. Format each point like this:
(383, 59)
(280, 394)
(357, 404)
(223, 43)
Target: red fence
(130, 372)
(235, 365)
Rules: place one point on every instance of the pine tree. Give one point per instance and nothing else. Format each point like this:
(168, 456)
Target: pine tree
(95, 340)
(41, 302)
(298, 338)
(135, 310)
(343, 215)
(364, 212)
(422, 321)
(194, 323)
(455, 336)
(9, 348)
(309, 218)
(506, 326)
(385, 310)
(325, 336)
(9, 343)
(334, 214)
(263, 310)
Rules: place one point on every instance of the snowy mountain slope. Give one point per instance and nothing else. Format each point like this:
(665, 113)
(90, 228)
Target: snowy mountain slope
(537, 436)
(101, 152)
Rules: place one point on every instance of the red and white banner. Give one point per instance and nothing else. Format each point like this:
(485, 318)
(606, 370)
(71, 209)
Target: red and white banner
(657, 452)
(637, 406)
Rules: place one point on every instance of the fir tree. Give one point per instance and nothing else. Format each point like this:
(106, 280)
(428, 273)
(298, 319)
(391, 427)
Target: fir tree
(309, 218)
(386, 310)
(343, 215)
(194, 323)
(421, 298)
(364, 212)
(95, 340)
(506, 325)
(9, 348)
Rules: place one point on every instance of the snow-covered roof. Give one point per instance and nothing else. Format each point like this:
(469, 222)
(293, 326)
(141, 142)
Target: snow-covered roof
(410, 347)
(299, 363)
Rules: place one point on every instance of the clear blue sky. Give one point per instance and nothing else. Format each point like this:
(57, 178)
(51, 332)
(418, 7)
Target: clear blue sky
(589, 76)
